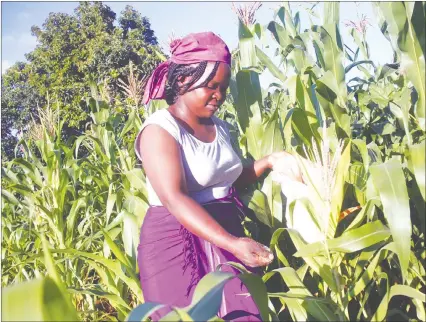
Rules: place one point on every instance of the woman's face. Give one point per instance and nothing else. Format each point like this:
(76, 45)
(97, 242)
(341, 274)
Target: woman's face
(203, 102)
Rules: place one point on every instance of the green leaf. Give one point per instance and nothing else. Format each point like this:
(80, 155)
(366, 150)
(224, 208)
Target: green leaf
(113, 298)
(297, 55)
(130, 123)
(258, 202)
(155, 105)
(351, 241)
(272, 190)
(416, 162)
(280, 34)
(248, 110)
(29, 170)
(395, 290)
(359, 62)
(112, 265)
(181, 314)
(130, 235)
(50, 265)
(389, 181)
(362, 147)
(301, 126)
(135, 205)
(314, 231)
(331, 13)
(246, 45)
(367, 275)
(304, 100)
(400, 107)
(9, 197)
(319, 111)
(357, 176)
(333, 53)
(258, 291)
(207, 296)
(367, 211)
(113, 233)
(270, 65)
(331, 100)
(143, 311)
(318, 264)
(338, 192)
(136, 179)
(272, 137)
(294, 305)
(319, 48)
(112, 197)
(363, 46)
(274, 246)
(106, 277)
(45, 303)
(100, 117)
(299, 307)
(160, 55)
(284, 13)
(405, 24)
(272, 141)
(259, 31)
(116, 250)
(72, 218)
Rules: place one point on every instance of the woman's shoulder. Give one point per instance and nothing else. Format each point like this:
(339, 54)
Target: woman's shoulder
(161, 117)
(164, 119)
(158, 116)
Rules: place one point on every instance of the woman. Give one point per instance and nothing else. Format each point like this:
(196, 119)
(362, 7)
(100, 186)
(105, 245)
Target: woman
(194, 222)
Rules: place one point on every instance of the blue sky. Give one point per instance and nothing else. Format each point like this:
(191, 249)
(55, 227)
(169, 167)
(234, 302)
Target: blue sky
(180, 17)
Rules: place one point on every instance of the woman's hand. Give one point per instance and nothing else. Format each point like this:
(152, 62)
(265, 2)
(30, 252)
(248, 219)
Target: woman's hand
(285, 163)
(252, 253)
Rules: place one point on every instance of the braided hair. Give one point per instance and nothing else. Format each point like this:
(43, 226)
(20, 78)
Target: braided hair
(176, 71)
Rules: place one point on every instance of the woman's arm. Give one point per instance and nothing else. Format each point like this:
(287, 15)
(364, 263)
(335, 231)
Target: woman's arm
(163, 167)
(252, 172)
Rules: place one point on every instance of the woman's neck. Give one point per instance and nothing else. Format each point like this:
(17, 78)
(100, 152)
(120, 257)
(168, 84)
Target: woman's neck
(185, 115)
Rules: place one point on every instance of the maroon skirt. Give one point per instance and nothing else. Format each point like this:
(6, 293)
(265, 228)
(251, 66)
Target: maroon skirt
(172, 261)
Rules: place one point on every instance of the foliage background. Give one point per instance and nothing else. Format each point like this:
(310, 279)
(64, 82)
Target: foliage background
(73, 52)
(72, 204)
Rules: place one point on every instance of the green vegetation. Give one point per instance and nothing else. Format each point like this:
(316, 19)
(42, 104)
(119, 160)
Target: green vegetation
(73, 52)
(84, 198)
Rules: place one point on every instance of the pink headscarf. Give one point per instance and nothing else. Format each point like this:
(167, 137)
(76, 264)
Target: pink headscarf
(194, 48)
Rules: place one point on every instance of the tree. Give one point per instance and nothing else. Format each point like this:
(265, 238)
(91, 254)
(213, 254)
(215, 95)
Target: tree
(73, 52)
(131, 20)
(19, 101)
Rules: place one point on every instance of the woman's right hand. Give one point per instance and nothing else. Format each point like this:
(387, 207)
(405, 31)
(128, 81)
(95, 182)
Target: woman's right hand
(287, 164)
(252, 253)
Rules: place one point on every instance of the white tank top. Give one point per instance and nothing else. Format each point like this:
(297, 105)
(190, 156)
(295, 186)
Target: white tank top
(210, 168)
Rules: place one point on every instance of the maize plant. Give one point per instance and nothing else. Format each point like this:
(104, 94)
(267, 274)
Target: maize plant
(87, 200)
(360, 144)
(73, 209)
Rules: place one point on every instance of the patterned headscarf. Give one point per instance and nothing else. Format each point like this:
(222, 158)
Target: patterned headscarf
(194, 48)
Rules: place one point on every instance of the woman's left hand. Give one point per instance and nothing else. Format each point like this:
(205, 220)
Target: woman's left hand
(285, 163)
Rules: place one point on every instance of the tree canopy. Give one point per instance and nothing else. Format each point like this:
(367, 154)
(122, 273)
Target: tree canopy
(90, 46)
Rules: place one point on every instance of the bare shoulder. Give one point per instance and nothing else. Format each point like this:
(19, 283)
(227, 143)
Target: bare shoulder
(159, 129)
(154, 138)
(161, 160)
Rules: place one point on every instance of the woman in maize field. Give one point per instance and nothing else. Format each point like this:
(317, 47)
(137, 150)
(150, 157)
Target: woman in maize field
(194, 220)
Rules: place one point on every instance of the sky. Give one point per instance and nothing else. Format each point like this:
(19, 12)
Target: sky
(181, 18)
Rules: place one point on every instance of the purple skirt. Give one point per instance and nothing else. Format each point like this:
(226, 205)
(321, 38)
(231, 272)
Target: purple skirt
(172, 261)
